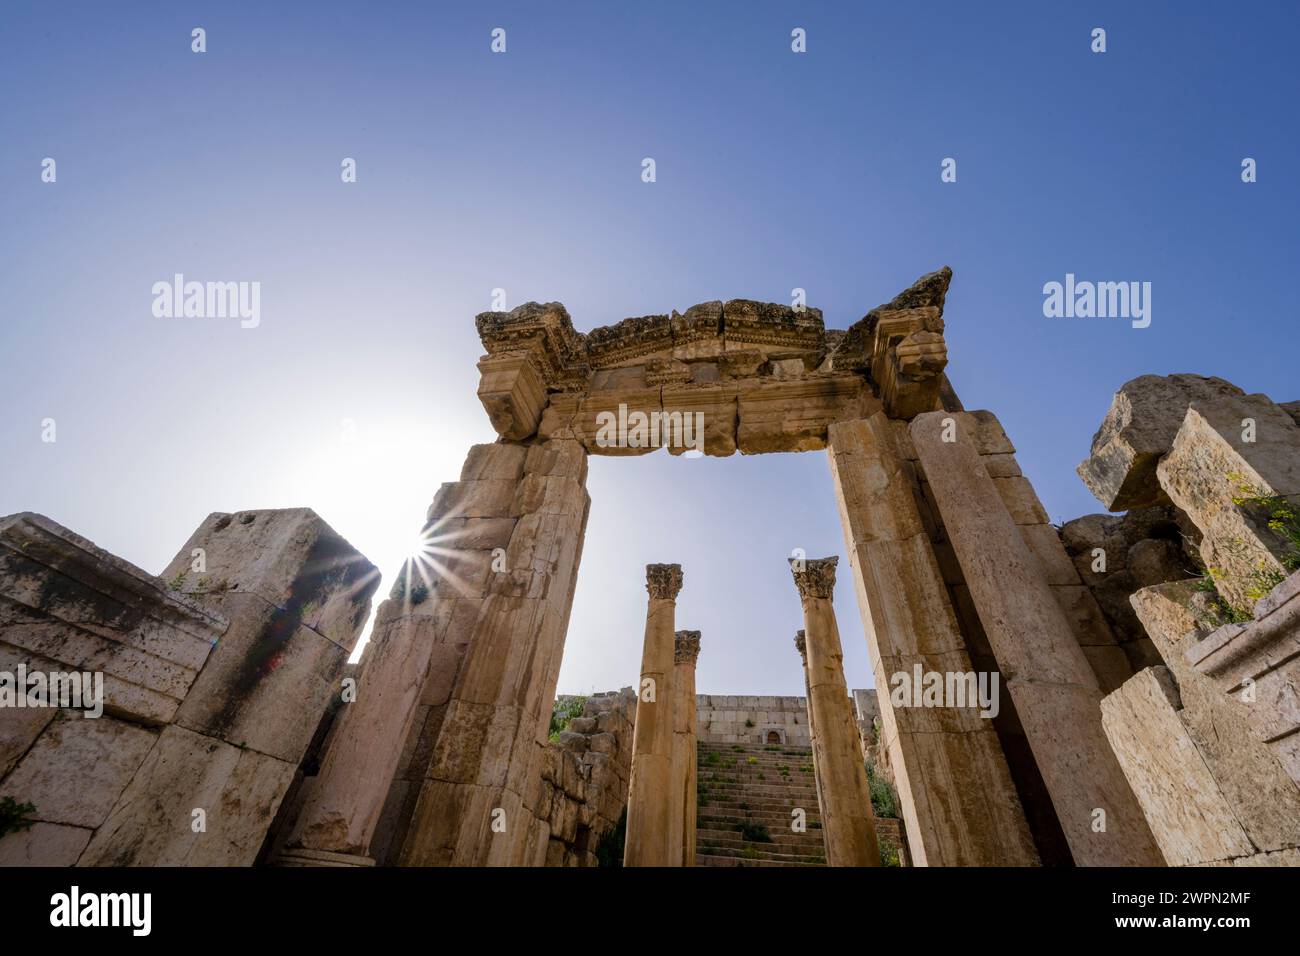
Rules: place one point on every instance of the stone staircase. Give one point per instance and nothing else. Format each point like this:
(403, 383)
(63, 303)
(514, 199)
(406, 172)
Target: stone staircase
(745, 794)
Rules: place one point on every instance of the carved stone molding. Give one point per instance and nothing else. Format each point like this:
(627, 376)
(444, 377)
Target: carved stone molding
(686, 647)
(817, 579)
(539, 371)
(663, 581)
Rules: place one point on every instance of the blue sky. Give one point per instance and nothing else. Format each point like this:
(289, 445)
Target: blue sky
(522, 170)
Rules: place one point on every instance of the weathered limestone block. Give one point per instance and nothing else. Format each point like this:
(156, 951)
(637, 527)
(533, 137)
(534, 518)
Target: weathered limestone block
(1189, 815)
(342, 808)
(78, 768)
(153, 824)
(44, 844)
(1211, 467)
(66, 605)
(297, 596)
(1258, 664)
(1263, 798)
(908, 620)
(513, 393)
(1052, 684)
(794, 416)
(1139, 428)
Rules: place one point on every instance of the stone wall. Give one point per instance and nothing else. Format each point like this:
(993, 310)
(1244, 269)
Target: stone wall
(1207, 736)
(214, 682)
(750, 720)
(585, 777)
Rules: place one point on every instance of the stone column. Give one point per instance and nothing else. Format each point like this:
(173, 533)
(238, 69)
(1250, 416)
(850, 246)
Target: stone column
(649, 799)
(341, 806)
(847, 823)
(497, 608)
(801, 645)
(909, 619)
(686, 648)
(1051, 683)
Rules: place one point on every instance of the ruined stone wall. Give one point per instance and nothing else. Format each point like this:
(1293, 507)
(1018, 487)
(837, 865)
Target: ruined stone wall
(749, 720)
(214, 685)
(1207, 734)
(585, 777)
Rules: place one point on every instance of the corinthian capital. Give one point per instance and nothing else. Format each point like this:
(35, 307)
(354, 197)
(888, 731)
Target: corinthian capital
(663, 581)
(801, 646)
(686, 647)
(817, 579)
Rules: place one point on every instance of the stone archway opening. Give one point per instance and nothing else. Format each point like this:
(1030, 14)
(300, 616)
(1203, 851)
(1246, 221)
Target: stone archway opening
(949, 550)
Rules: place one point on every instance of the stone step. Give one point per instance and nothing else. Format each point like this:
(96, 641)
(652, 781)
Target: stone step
(760, 852)
(772, 808)
(771, 801)
(811, 841)
(758, 786)
(706, 859)
(760, 791)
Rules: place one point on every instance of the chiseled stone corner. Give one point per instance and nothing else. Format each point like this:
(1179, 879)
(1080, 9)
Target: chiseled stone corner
(1138, 429)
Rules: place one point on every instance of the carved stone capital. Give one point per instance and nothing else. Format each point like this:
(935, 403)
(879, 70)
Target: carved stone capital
(686, 647)
(663, 581)
(801, 645)
(817, 579)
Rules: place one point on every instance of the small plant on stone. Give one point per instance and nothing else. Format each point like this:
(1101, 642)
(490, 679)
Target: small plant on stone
(762, 777)
(1278, 513)
(12, 815)
(883, 803)
(609, 852)
(806, 768)
(749, 723)
(1220, 611)
(750, 853)
(711, 759)
(753, 832)
(751, 760)
(562, 713)
(772, 748)
(889, 854)
(737, 748)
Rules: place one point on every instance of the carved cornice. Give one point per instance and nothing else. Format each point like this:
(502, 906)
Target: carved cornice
(927, 295)
(536, 360)
(817, 579)
(663, 581)
(686, 647)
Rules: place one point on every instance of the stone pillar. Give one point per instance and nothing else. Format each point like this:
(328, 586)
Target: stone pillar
(848, 826)
(1051, 683)
(341, 805)
(909, 619)
(686, 648)
(801, 645)
(649, 799)
(497, 614)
